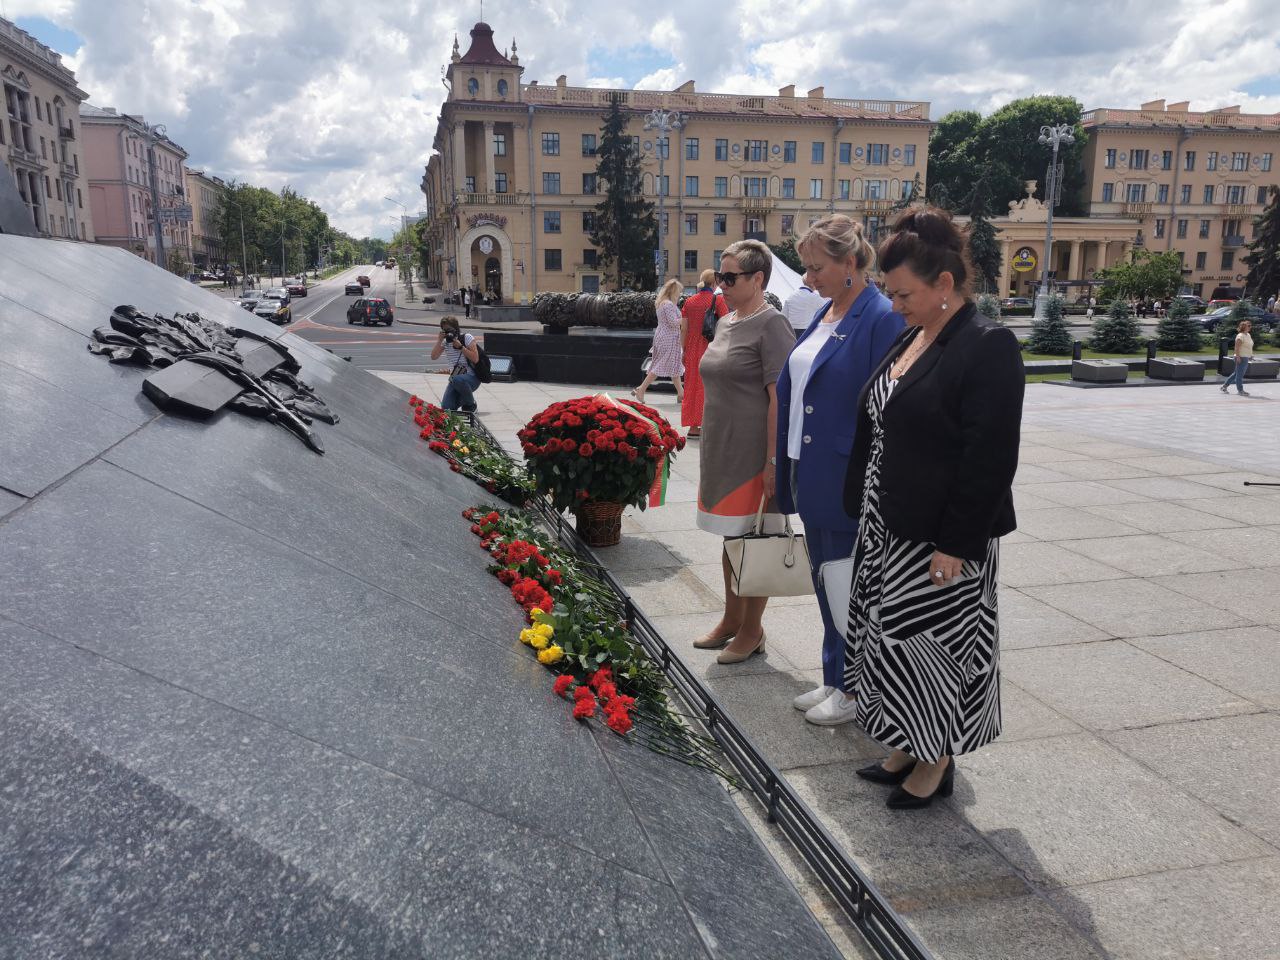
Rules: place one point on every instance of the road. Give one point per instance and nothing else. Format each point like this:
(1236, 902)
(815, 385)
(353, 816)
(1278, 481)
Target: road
(321, 317)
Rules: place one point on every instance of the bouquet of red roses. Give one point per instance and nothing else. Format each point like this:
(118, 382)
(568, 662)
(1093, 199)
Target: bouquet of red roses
(600, 448)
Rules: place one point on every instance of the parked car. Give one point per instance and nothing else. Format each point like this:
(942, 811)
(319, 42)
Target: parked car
(1015, 302)
(370, 310)
(296, 288)
(275, 306)
(377, 263)
(364, 281)
(354, 289)
(1221, 302)
(1192, 301)
(248, 300)
(1260, 319)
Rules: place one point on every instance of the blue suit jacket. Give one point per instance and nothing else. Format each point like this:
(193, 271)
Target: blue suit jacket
(841, 368)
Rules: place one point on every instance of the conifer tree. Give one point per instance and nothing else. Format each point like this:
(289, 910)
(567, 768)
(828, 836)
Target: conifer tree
(1116, 331)
(625, 230)
(1263, 257)
(1049, 334)
(1176, 330)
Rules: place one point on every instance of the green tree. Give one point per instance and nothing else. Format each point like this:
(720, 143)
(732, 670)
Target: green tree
(1145, 276)
(178, 263)
(1176, 330)
(1263, 257)
(1049, 334)
(788, 254)
(1229, 325)
(912, 192)
(1116, 331)
(625, 230)
(1005, 147)
(984, 249)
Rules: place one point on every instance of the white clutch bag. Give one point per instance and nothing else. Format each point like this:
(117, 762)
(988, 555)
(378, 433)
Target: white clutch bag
(837, 583)
(769, 564)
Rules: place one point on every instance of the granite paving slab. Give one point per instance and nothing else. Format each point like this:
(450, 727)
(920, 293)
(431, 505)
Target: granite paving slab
(1091, 469)
(1157, 517)
(1019, 928)
(1069, 523)
(1148, 555)
(1083, 493)
(1027, 622)
(1034, 564)
(1248, 510)
(10, 502)
(1136, 608)
(1245, 660)
(1255, 597)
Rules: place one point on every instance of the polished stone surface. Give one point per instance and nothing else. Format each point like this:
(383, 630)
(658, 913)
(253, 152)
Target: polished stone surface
(257, 701)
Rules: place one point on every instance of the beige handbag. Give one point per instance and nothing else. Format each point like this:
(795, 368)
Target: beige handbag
(769, 564)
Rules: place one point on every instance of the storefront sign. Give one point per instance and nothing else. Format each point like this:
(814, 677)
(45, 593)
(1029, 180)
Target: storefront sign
(491, 219)
(1024, 260)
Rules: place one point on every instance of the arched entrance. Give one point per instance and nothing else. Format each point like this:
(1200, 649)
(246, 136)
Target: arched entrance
(493, 277)
(484, 258)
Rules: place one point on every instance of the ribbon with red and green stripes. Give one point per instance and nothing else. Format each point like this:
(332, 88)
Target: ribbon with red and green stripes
(661, 476)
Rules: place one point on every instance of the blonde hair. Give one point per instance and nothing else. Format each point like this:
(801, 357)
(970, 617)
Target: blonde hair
(707, 279)
(670, 291)
(752, 255)
(839, 237)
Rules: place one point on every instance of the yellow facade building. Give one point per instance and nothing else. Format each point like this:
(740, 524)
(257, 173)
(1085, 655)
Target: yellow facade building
(511, 187)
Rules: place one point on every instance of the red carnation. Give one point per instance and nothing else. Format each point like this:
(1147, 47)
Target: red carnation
(506, 577)
(475, 528)
(586, 450)
(562, 685)
(455, 468)
(581, 693)
(607, 690)
(554, 576)
(585, 707)
(618, 721)
(492, 517)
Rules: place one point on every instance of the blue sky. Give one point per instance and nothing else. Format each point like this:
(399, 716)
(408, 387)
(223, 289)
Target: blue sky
(340, 100)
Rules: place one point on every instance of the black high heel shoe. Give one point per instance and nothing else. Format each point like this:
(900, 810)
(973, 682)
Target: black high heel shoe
(903, 799)
(889, 778)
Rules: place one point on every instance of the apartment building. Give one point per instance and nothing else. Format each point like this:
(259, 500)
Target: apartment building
(511, 188)
(1193, 181)
(39, 135)
(204, 193)
(132, 167)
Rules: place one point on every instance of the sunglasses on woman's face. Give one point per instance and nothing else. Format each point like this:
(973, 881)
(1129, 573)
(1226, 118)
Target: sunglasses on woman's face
(729, 279)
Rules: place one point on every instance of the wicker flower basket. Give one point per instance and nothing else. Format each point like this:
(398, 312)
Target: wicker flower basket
(600, 522)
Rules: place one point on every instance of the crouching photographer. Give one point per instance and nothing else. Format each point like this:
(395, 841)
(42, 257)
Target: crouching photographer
(461, 354)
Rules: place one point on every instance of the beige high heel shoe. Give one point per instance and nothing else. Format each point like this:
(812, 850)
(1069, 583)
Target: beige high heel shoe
(729, 657)
(712, 643)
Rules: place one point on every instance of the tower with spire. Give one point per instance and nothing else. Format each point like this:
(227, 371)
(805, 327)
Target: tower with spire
(483, 73)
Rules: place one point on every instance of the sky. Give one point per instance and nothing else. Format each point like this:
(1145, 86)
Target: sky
(339, 100)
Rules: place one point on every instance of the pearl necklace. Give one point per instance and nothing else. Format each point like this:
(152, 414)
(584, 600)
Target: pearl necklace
(755, 313)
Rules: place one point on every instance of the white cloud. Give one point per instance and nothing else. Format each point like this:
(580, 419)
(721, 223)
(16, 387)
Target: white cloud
(340, 100)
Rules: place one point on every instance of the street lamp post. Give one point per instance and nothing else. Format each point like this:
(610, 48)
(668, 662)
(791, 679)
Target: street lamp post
(1055, 135)
(664, 121)
(154, 132)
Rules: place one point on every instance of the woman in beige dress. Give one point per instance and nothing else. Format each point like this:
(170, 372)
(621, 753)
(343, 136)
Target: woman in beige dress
(738, 466)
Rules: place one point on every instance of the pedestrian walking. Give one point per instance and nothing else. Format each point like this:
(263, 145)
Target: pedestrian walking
(466, 301)
(1243, 354)
(819, 386)
(931, 478)
(460, 355)
(694, 313)
(667, 343)
(1271, 304)
(738, 468)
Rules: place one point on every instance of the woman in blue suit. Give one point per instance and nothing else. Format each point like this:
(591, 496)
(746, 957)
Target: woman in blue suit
(817, 399)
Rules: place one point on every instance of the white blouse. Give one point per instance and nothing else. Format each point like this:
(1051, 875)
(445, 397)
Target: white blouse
(799, 366)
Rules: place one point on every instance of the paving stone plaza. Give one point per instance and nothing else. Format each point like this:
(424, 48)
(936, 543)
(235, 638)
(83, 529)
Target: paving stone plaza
(1129, 808)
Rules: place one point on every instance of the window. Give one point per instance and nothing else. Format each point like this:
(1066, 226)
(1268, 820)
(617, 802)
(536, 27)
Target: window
(843, 189)
(691, 259)
(502, 88)
(877, 153)
(1135, 192)
(551, 144)
(722, 186)
(1211, 161)
(663, 183)
(846, 153)
(590, 257)
(1239, 161)
(43, 151)
(815, 189)
(635, 145)
(665, 220)
(1138, 159)
(79, 199)
(788, 224)
(1262, 195)
(691, 148)
(1201, 257)
(875, 189)
(1182, 229)
(469, 184)
(1108, 192)
(874, 228)
(720, 224)
(1235, 193)
(690, 186)
(691, 223)
(755, 186)
(1110, 162)
(1208, 193)
(499, 144)
(550, 221)
(551, 260)
(715, 258)
(473, 86)
(908, 189)
(909, 155)
(1265, 166)
(1162, 193)
(754, 226)
(722, 149)
(1166, 160)
(818, 151)
(788, 188)
(500, 182)
(588, 144)
(588, 221)
(789, 151)
(1186, 194)
(757, 151)
(1189, 160)
(1204, 229)
(1159, 229)
(1228, 259)
(551, 183)
(589, 182)
(664, 148)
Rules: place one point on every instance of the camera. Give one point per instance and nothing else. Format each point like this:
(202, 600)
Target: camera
(449, 337)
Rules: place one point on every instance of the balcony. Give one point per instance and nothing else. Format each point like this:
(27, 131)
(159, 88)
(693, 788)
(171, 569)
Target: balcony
(66, 132)
(1238, 209)
(757, 204)
(29, 157)
(761, 235)
(1132, 208)
(1233, 241)
(875, 206)
(494, 199)
(68, 170)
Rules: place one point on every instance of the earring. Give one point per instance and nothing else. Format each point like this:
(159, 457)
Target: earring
(848, 281)
(944, 306)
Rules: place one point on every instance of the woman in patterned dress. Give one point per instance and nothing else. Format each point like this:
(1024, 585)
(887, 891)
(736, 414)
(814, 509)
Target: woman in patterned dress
(666, 348)
(931, 479)
(695, 345)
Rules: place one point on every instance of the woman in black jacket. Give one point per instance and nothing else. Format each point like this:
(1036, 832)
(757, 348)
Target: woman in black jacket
(930, 476)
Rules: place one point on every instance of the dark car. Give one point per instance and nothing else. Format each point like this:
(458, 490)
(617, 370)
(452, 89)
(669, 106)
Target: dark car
(369, 311)
(1260, 319)
(297, 288)
(364, 281)
(1015, 302)
(249, 299)
(353, 289)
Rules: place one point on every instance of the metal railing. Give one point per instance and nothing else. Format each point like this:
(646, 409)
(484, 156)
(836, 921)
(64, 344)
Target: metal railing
(863, 904)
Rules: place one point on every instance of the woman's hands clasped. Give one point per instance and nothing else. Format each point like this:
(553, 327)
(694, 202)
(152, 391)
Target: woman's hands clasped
(944, 568)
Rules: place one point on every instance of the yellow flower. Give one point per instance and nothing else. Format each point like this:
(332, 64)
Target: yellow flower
(537, 612)
(527, 635)
(457, 444)
(552, 654)
(466, 449)
(538, 641)
(545, 629)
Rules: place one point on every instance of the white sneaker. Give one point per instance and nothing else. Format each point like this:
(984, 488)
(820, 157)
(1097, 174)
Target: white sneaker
(836, 709)
(807, 701)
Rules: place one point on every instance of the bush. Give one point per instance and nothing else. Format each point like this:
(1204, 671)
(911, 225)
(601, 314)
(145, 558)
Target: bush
(1049, 334)
(989, 306)
(1116, 331)
(1229, 326)
(1176, 330)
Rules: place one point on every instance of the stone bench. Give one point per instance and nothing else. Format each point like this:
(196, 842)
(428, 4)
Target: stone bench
(1099, 371)
(1175, 368)
(1257, 369)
